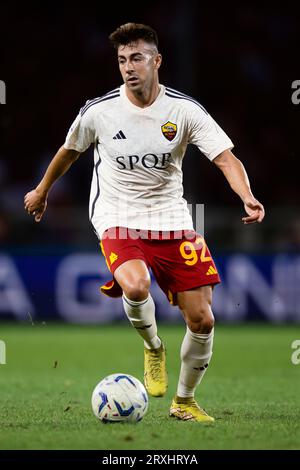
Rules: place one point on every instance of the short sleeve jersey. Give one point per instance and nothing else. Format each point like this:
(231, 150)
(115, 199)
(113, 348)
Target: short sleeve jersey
(138, 153)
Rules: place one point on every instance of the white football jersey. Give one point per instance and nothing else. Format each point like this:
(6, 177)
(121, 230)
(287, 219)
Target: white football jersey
(138, 152)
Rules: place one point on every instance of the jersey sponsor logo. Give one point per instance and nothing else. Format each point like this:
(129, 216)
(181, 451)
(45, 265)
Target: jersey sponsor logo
(113, 257)
(211, 270)
(150, 160)
(169, 130)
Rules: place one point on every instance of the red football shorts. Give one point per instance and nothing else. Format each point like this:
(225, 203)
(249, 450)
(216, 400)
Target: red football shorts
(179, 260)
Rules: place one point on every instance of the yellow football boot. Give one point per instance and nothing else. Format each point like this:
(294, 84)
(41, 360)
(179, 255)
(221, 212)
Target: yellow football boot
(188, 409)
(155, 375)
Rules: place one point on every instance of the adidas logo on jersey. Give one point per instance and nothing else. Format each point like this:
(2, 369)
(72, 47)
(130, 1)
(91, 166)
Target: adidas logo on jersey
(211, 270)
(120, 135)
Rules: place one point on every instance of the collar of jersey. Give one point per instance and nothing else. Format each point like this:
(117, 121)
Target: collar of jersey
(137, 108)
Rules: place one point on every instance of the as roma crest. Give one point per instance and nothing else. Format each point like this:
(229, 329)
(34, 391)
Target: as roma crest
(169, 130)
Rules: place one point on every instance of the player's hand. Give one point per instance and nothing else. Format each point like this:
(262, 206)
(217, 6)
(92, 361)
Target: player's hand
(35, 204)
(255, 211)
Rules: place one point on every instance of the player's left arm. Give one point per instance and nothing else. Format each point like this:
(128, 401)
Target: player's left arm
(236, 175)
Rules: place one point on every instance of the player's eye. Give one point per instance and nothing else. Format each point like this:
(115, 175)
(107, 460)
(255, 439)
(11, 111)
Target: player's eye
(138, 59)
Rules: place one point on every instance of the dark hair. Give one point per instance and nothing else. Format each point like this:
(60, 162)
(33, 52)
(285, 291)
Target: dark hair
(131, 32)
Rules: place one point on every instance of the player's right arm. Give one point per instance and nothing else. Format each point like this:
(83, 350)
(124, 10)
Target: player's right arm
(81, 134)
(36, 200)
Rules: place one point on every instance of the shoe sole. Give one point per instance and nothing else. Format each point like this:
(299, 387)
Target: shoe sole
(157, 394)
(180, 418)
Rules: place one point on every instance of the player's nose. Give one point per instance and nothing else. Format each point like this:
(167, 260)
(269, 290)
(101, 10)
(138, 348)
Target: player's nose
(128, 67)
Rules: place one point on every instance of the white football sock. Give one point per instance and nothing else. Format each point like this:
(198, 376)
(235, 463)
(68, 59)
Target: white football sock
(142, 317)
(196, 351)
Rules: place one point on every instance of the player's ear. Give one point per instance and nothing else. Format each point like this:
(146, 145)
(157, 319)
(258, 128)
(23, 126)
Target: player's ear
(158, 61)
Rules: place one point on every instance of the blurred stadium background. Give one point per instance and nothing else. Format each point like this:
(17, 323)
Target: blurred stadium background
(239, 63)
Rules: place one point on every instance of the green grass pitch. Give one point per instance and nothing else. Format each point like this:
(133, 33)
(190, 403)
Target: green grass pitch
(251, 388)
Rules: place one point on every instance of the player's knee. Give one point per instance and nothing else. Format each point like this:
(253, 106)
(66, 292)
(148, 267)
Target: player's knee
(137, 290)
(201, 321)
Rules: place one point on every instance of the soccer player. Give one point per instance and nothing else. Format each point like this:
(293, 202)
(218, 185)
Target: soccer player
(140, 132)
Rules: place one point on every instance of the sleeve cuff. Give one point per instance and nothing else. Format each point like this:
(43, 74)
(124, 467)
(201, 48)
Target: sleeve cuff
(219, 150)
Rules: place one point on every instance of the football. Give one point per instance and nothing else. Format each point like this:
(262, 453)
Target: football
(119, 398)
